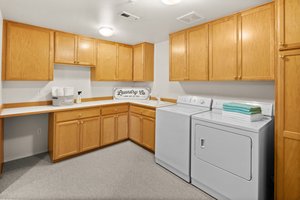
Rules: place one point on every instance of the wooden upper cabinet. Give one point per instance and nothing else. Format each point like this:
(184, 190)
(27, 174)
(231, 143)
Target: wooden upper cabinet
(106, 66)
(197, 53)
(27, 52)
(289, 26)
(125, 64)
(65, 48)
(178, 64)
(143, 62)
(74, 49)
(138, 62)
(86, 51)
(257, 42)
(223, 49)
(114, 62)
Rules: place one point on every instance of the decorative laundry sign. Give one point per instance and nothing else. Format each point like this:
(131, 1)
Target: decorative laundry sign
(131, 93)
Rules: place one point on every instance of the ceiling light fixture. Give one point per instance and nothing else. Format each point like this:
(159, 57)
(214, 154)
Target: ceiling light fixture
(106, 31)
(171, 2)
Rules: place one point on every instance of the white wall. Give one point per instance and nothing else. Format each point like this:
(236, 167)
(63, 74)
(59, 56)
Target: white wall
(25, 136)
(258, 90)
(78, 77)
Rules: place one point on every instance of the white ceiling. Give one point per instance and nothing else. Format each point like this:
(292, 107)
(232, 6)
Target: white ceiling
(86, 16)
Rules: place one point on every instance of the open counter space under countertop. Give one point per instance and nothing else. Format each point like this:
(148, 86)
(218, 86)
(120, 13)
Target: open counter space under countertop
(11, 112)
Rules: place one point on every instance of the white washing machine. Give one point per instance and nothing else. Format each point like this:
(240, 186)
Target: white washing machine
(232, 158)
(173, 133)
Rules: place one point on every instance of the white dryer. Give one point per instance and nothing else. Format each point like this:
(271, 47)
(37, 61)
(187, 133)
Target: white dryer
(232, 158)
(173, 133)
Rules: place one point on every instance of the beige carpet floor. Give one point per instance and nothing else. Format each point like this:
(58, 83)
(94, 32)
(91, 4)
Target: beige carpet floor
(122, 171)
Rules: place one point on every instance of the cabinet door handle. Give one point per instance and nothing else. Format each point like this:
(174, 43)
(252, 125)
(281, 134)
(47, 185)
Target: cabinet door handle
(282, 44)
(202, 143)
(240, 77)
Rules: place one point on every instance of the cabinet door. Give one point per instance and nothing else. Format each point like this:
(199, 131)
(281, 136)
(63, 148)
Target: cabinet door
(138, 63)
(90, 133)
(258, 43)
(65, 48)
(223, 49)
(122, 126)
(148, 51)
(106, 66)
(148, 131)
(135, 128)
(197, 53)
(108, 129)
(289, 28)
(1, 146)
(124, 63)
(86, 51)
(178, 65)
(288, 126)
(67, 136)
(28, 53)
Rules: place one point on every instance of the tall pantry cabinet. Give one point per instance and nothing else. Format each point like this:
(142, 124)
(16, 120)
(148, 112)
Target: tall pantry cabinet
(287, 163)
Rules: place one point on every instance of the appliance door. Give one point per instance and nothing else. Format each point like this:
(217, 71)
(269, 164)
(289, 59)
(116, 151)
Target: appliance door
(224, 149)
(172, 142)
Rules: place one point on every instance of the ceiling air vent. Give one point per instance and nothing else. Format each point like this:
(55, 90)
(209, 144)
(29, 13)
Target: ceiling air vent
(129, 16)
(190, 17)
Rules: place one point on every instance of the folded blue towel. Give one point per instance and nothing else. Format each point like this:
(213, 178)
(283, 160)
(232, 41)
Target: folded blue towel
(241, 108)
(242, 111)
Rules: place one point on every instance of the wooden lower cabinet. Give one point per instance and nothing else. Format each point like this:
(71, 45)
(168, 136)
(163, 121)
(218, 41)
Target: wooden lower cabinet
(142, 127)
(108, 129)
(122, 127)
(71, 132)
(66, 139)
(114, 124)
(76, 131)
(135, 128)
(148, 132)
(90, 134)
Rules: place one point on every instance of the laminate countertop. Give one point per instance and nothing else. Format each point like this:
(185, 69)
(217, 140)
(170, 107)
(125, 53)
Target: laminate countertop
(22, 111)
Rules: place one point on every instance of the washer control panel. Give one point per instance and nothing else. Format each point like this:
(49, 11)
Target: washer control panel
(195, 100)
